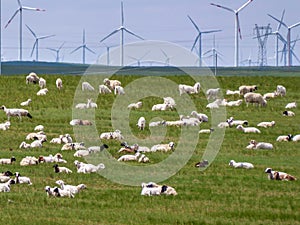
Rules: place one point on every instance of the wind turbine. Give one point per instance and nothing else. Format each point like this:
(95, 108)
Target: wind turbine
(215, 54)
(84, 47)
(20, 10)
(138, 60)
(237, 27)
(122, 29)
(36, 43)
(57, 51)
(199, 39)
(288, 37)
(167, 62)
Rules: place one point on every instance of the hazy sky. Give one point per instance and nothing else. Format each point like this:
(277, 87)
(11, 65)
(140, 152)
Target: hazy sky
(164, 20)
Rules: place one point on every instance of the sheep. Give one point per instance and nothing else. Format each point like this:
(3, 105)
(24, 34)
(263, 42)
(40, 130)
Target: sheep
(266, 124)
(233, 122)
(206, 131)
(247, 88)
(281, 90)
(36, 136)
(59, 83)
(189, 89)
(37, 143)
(62, 193)
(284, 138)
(277, 175)
(29, 160)
(170, 102)
(224, 125)
(5, 187)
(156, 123)
(72, 188)
(234, 103)
(80, 122)
(73, 146)
(270, 95)
(5, 126)
(112, 135)
(32, 78)
(81, 106)
(143, 159)
(296, 138)
(90, 104)
(51, 159)
(39, 128)
(111, 83)
(201, 116)
(151, 188)
(103, 89)
(66, 138)
(259, 145)
(288, 113)
(4, 178)
(88, 168)
(187, 121)
(245, 165)
(42, 82)
(137, 105)
(163, 147)
(21, 179)
(26, 103)
(129, 157)
(50, 191)
(255, 98)
(248, 129)
(94, 149)
(160, 107)
(61, 169)
(215, 104)
(177, 123)
(15, 112)
(41, 92)
(212, 93)
(24, 145)
(141, 123)
(81, 153)
(7, 161)
(291, 105)
(119, 90)
(204, 163)
(229, 92)
(86, 86)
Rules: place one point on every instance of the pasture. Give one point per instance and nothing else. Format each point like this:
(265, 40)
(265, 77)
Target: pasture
(218, 195)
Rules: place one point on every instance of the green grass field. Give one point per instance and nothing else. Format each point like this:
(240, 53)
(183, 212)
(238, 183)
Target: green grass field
(218, 195)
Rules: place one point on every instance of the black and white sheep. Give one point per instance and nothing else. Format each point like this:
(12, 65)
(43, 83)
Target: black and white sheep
(61, 169)
(277, 175)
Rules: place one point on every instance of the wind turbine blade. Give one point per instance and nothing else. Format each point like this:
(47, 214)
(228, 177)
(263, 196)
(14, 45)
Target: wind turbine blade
(205, 53)
(195, 42)
(295, 56)
(122, 14)
(243, 6)
(13, 16)
(48, 36)
(83, 37)
(112, 33)
(31, 31)
(61, 45)
(195, 25)
(281, 38)
(76, 49)
(238, 26)
(52, 49)
(19, 3)
(34, 45)
(295, 25)
(274, 18)
(164, 53)
(130, 32)
(279, 24)
(223, 7)
(87, 48)
(33, 9)
(210, 31)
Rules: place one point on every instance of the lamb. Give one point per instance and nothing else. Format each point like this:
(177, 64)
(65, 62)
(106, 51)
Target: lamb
(7, 161)
(81, 153)
(160, 107)
(234, 103)
(5, 187)
(80, 122)
(73, 146)
(245, 165)
(36, 136)
(26, 103)
(223, 125)
(90, 104)
(206, 131)
(59, 83)
(29, 160)
(229, 92)
(270, 95)
(212, 93)
(24, 145)
(137, 105)
(61, 169)
(201, 116)
(288, 113)
(189, 89)
(43, 91)
(62, 193)
(50, 191)
(177, 123)
(291, 105)
(32, 78)
(94, 149)
(119, 90)
(277, 175)
(5, 126)
(86, 86)
(233, 122)
(248, 129)
(4, 178)
(72, 188)
(21, 179)
(112, 135)
(15, 112)
(39, 128)
(163, 147)
(51, 159)
(204, 163)
(103, 89)
(284, 138)
(111, 83)
(259, 145)
(42, 82)
(143, 159)
(281, 90)
(152, 188)
(247, 88)
(66, 138)
(190, 121)
(81, 106)
(129, 157)
(170, 102)
(141, 123)
(255, 98)
(88, 168)
(37, 143)
(156, 123)
(296, 138)
(266, 124)
(215, 104)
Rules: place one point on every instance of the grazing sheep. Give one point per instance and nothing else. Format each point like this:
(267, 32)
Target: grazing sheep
(141, 123)
(245, 165)
(86, 86)
(291, 105)
(277, 175)
(5, 126)
(151, 188)
(26, 103)
(90, 104)
(39, 128)
(111, 83)
(204, 163)
(74, 189)
(43, 91)
(29, 160)
(281, 90)
(7, 161)
(288, 113)
(201, 116)
(259, 145)
(248, 129)
(80, 122)
(266, 124)
(137, 105)
(284, 138)
(234, 103)
(15, 112)
(255, 98)
(119, 90)
(112, 135)
(163, 147)
(189, 89)
(206, 131)
(296, 138)
(247, 88)
(61, 169)
(42, 83)
(5, 187)
(212, 93)
(32, 78)
(129, 157)
(103, 89)
(59, 84)
(270, 95)
(21, 179)
(229, 92)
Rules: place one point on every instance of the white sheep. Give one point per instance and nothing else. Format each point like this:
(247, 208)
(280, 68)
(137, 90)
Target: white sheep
(5, 187)
(129, 157)
(58, 192)
(248, 129)
(7, 161)
(42, 82)
(216, 104)
(277, 175)
(206, 131)
(66, 138)
(80, 122)
(201, 116)
(136, 105)
(141, 123)
(24, 145)
(43, 91)
(111, 83)
(189, 89)
(170, 102)
(5, 126)
(26, 103)
(32, 78)
(86, 86)
(156, 123)
(234, 103)
(112, 135)
(15, 112)
(59, 83)
(229, 92)
(37, 143)
(163, 147)
(90, 104)
(245, 165)
(255, 98)
(270, 95)
(39, 128)
(51, 159)
(266, 124)
(212, 93)
(87, 167)
(247, 88)
(103, 89)
(81, 153)
(36, 136)
(119, 90)
(143, 159)
(234, 122)
(73, 146)
(288, 113)
(291, 105)
(190, 121)
(81, 106)
(29, 160)
(160, 107)
(21, 179)
(176, 123)
(259, 145)
(296, 138)
(284, 138)
(151, 188)
(74, 189)
(223, 125)
(281, 90)
(61, 169)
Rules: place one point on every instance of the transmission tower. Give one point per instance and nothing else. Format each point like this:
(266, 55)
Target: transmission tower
(262, 33)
